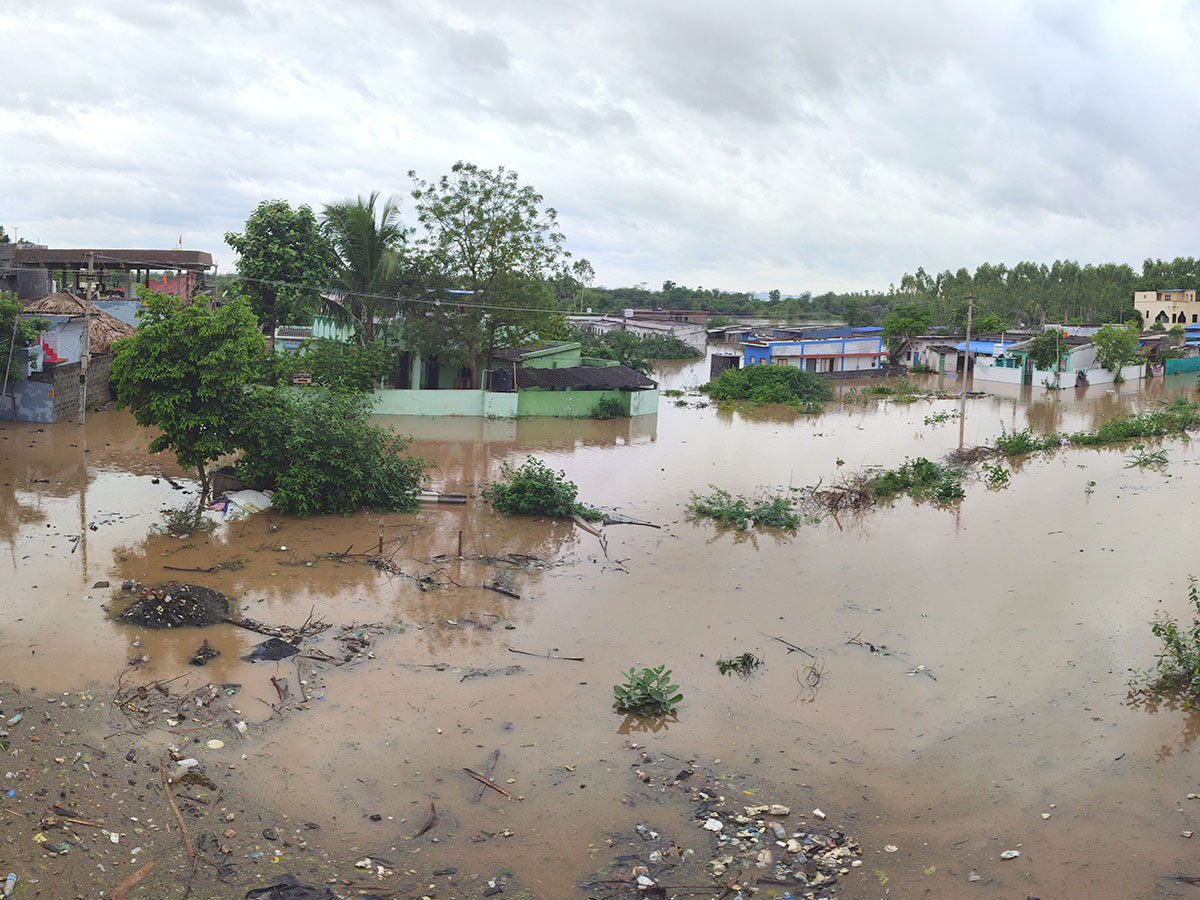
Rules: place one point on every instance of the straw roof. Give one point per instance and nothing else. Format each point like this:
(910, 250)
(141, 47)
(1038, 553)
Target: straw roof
(105, 328)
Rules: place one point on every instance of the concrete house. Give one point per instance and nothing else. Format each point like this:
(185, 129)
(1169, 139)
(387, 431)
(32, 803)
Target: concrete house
(1077, 367)
(1173, 306)
(828, 350)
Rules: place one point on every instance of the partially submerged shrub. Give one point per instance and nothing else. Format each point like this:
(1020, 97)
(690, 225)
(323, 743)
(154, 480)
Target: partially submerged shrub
(184, 519)
(995, 476)
(534, 489)
(318, 451)
(648, 692)
(918, 478)
(1018, 443)
(770, 510)
(771, 384)
(1177, 664)
(608, 408)
(672, 392)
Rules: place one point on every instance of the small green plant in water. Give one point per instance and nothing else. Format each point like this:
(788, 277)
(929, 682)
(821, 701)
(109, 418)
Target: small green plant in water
(743, 665)
(1091, 488)
(672, 392)
(1177, 666)
(771, 510)
(534, 489)
(1145, 459)
(918, 478)
(995, 477)
(648, 692)
(939, 417)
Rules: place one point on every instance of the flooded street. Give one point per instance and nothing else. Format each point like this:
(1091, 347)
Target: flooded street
(1027, 608)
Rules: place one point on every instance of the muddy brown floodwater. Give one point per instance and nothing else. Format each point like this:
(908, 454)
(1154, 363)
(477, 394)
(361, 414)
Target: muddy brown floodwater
(1027, 607)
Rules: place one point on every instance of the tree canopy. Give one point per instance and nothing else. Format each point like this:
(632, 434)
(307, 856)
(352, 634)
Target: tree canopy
(1046, 349)
(185, 373)
(369, 243)
(282, 257)
(1116, 346)
(15, 334)
(491, 250)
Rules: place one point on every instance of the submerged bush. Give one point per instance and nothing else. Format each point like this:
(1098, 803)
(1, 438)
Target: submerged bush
(608, 408)
(534, 489)
(771, 510)
(771, 384)
(333, 364)
(1018, 443)
(918, 478)
(315, 447)
(1177, 666)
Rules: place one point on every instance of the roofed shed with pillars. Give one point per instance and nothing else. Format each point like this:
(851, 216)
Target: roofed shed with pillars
(132, 267)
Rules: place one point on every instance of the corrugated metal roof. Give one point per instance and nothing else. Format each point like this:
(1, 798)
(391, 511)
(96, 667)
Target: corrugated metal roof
(596, 377)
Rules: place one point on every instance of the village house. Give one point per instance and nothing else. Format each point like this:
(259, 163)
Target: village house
(821, 350)
(1172, 306)
(1077, 366)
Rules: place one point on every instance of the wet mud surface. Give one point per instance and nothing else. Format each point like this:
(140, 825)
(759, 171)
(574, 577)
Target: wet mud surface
(1026, 608)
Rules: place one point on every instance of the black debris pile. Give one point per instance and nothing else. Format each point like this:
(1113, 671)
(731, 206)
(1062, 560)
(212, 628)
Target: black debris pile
(175, 605)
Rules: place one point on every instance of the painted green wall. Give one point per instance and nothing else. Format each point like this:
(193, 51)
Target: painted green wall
(560, 404)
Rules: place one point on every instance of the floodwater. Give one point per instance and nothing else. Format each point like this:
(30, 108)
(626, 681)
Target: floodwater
(1027, 606)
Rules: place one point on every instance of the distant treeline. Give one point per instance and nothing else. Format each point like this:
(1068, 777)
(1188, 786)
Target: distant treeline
(1026, 294)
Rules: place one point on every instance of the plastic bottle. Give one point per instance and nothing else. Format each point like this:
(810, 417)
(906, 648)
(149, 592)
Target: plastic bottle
(9, 884)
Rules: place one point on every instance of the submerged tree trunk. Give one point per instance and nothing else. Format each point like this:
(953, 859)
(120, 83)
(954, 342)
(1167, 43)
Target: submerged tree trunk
(202, 502)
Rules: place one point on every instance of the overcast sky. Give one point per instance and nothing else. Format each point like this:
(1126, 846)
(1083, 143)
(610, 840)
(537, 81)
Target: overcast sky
(747, 146)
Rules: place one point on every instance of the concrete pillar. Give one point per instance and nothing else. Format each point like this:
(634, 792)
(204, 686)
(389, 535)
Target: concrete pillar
(414, 371)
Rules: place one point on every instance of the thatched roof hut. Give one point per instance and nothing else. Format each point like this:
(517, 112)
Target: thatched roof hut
(105, 327)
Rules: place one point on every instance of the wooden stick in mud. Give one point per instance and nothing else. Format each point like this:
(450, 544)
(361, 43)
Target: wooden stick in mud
(546, 655)
(499, 590)
(429, 822)
(488, 782)
(490, 768)
(131, 882)
(181, 569)
(187, 838)
(791, 646)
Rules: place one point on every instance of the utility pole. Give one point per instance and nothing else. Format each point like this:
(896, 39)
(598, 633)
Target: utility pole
(85, 345)
(962, 401)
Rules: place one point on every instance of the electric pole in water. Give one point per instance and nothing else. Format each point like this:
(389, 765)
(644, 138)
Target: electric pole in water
(85, 344)
(962, 402)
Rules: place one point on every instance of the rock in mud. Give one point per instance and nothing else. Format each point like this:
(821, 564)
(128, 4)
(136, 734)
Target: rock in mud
(175, 605)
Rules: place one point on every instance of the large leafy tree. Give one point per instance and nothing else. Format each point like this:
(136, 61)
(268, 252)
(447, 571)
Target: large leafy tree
(283, 257)
(185, 373)
(1116, 346)
(369, 242)
(903, 323)
(15, 333)
(490, 251)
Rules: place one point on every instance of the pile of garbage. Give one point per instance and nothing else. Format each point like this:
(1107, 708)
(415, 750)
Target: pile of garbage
(175, 605)
(238, 505)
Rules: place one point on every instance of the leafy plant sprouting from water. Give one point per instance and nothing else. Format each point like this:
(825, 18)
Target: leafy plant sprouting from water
(1146, 459)
(1177, 667)
(995, 477)
(938, 417)
(743, 665)
(183, 520)
(770, 510)
(648, 692)
(534, 489)
(1018, 443)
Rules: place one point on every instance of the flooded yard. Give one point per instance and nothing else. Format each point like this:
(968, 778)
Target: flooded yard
(995, 715)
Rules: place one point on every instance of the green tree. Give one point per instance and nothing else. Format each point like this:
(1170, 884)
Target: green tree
(903, 323)
(4, 238)
(369, 246)
(489, 247)
(185, 373)
(1116, 346)
(15, 333)
(283, 259)
(1047, 349)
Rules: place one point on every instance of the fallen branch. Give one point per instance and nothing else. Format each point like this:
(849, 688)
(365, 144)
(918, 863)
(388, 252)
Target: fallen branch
(182, 569)
(187, 838)
(491, 770)
(500, 590)
(546, 655)
(482, 780)
(429, 822)
(131, 882)
(790, 645)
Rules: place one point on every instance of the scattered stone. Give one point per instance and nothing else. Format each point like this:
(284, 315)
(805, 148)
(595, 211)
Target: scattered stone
(215, 744)
(714, 825)
(1010, 854)
(890, 848)
(1045, 815)
(974, 876)
(1186, 834)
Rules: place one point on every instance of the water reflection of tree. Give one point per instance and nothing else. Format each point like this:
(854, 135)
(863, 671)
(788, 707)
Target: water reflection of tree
(1172, 703)
(18, 509)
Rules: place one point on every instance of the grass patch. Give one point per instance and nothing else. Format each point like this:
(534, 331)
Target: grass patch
(534, 489)
(672, 392)
(1177, 416)
(769, 511)
(1146, 459)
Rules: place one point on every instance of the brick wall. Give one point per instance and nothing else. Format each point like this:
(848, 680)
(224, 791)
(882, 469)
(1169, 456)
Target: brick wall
(63, 379)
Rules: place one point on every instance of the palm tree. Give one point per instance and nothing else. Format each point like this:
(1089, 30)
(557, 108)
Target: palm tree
(369, 245)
